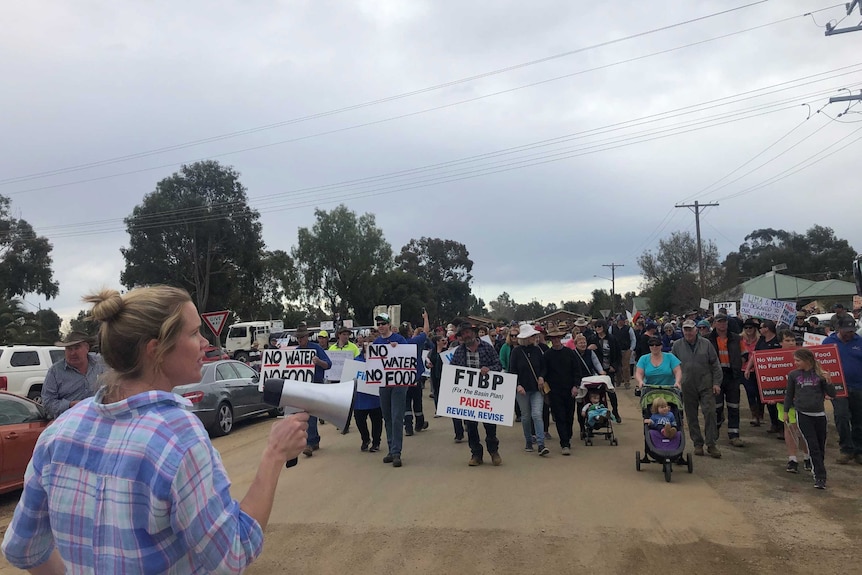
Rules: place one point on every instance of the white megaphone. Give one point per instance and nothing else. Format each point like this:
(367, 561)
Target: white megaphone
(331, 402)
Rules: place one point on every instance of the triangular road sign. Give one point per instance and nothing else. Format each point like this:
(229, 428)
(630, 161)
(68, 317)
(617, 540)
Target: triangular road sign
(215, 320)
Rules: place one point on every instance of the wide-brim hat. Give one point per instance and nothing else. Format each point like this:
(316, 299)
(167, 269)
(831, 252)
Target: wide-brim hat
(73, 338)
(301, 332)
(555, 332)
(342, 330)
(526, 331)
(463, 326)
(581, 322)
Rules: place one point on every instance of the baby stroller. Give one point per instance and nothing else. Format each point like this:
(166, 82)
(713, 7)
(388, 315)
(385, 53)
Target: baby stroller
(605, 426)
(657, 446)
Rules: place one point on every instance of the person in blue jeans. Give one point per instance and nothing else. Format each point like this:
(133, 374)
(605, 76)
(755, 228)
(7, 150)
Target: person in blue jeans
(321, 364)
(527, 361)
(393, 399)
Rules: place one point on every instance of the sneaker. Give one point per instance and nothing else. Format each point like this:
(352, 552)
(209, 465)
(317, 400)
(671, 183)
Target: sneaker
(518, 419)
(844, 459)
(736, 442)
(308, 451)
(364, 446)
(459, 439)
(714, 451)
(496, 460)
(567, 451)
(529, 448)
(617, 418)
(698, 450)
(548, 435)
(388, 458)
(807, 465)
(792, 467)
(408, 432)
(375, 447)
(424, 426)
(820, 484)
(543, 451)
(474, 461)
(396, 461)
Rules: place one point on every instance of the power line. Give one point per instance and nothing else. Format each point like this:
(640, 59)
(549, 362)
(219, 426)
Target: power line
(386, 99)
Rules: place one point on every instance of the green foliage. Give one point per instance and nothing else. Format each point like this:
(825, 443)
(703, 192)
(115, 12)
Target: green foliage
(196, 231)
(84, 323)
(399, 287)
(503, 308)
(817, 254)
(671, 274)
(25, 259)
(276, 283)
(339, 259)
(477, 307)
(580, 307)
(446, 267)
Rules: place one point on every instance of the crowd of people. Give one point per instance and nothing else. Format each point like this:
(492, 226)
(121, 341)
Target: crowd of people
(131, 439)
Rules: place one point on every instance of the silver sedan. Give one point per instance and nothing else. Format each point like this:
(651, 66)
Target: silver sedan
(227, 392)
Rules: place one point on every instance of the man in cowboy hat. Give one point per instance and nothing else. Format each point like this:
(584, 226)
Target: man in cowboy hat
(73, 378)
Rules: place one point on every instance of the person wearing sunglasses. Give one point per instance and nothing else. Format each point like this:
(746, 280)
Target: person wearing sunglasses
(658, 369)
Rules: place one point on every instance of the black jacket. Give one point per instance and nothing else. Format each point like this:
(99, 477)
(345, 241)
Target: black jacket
(615, 355)
(520, 362)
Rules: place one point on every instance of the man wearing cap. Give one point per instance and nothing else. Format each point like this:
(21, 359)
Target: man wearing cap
(840, 312)
(627, 341)
(799, 328)
(73, 378)
(478, 354)
(393, 399)
(323, 339)
(848, 410)
(729, 348)
(701, 381)
(321, 363)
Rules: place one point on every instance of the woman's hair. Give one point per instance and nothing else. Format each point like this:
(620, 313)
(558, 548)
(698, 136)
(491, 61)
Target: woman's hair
(579, 336)
(654, 341)
(128, 322)
(657, 403)
(807, 356)
(595, 394)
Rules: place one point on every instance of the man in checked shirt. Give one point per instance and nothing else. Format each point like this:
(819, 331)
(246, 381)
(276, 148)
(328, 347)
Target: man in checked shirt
(481, 355)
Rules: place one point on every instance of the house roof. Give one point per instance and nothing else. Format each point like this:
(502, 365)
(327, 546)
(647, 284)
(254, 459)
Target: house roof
(779, 286)
(559, 315)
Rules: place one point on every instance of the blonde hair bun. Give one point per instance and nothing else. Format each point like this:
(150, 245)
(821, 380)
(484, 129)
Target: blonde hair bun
(106, 304)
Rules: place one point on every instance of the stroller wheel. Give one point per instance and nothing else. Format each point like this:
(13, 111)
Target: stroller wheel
(588, 442)
(614, 441)
(583, 435)
(638, 460)
(690, 463)
(667, 471)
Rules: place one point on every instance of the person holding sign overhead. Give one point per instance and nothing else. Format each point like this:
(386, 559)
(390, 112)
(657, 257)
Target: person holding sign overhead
(481, 355)
(321, 363)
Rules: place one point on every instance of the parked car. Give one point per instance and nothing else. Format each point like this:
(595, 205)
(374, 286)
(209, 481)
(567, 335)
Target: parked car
(213, 353)
(21, 423)
(227, 392)
(23, 368)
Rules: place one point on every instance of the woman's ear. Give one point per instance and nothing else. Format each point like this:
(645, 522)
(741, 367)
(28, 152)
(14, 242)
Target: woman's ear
(150, 350)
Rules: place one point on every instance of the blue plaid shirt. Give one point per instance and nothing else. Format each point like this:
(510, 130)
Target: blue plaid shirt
(488, 356)
(130, 487)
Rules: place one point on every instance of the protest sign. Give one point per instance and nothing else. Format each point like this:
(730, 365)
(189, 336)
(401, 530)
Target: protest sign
(704, 303)
(295, 364)
(809, 339)
(327, 325)
(391, 366)
(446, 356)
(772, 366)
(466, 393)
(765, 308)
(356, 370)
(730, 306)
(337, 357)
(425, 354)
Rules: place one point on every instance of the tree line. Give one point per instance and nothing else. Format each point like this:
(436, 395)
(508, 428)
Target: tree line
(197, 231)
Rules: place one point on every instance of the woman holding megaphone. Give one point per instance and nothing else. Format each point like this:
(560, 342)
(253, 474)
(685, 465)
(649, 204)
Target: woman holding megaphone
(128, 481)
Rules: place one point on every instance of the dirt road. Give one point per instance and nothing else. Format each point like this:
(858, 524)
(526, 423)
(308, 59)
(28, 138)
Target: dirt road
(344, 511)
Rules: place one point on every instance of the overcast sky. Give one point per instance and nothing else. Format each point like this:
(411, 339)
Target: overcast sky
(96, 80)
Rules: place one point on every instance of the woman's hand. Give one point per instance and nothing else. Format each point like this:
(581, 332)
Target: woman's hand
(786, 417)
(520, 389)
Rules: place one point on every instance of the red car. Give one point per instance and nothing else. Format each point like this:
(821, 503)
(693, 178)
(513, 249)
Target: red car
(21, 423)
(213, 353)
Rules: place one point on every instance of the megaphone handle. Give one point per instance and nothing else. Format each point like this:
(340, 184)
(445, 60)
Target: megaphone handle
(291, 463)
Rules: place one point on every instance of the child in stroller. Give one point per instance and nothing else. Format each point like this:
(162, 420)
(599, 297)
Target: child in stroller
(662, 418)
(594, 416)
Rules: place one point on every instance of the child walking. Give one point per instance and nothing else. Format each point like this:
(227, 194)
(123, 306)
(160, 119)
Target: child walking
(793, 439)
(807, 387)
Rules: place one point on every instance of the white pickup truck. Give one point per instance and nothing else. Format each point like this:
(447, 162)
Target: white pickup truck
(23, 368)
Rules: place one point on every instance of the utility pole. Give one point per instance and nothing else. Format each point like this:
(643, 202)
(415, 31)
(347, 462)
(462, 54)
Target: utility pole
(696, 207)
(613, 267)
(831, 30)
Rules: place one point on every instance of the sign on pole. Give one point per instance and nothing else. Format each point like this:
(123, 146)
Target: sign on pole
(215, 320)
(773, 365)
(467, 393)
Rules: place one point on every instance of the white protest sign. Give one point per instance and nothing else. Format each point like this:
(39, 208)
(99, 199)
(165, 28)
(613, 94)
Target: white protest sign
(356, 370)
(337, 357)
(425, 353)
(487, 339)
(295, 364)
(809, 339)
(391, 366)
(704, 303)
(765, 308)
(347, 323)
(465, 393)
(327, 325)
(447, 354)
(730, 306)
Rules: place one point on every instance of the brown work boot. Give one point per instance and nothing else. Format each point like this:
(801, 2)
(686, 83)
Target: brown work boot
(698, 450)
(844, 459)
(307, 451)
(474, 461)
(714, 451)
(736, 442)
(496, 459)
